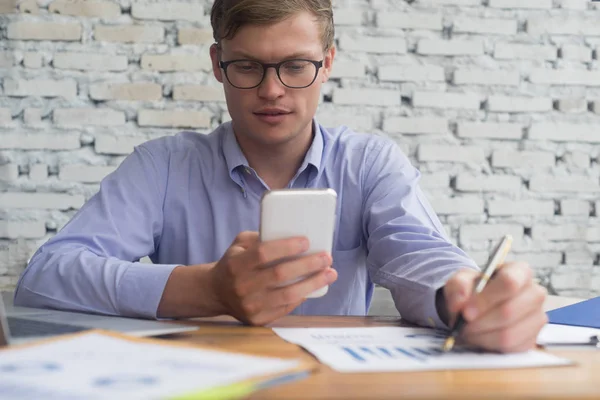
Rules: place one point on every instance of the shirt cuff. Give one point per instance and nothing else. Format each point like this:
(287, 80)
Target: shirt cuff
(141, 287)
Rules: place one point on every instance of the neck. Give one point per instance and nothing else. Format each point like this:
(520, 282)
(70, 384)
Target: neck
(277, 164)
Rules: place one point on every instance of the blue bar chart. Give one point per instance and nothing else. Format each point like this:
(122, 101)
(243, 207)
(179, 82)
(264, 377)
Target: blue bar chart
(365, 354)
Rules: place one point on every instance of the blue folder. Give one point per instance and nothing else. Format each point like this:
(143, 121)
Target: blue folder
(584, 313)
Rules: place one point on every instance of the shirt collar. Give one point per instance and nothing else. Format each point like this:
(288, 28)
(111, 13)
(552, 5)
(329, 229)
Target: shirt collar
(235, 158)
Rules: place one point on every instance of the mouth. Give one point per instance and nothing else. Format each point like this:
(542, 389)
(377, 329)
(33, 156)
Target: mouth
(272, 112)
(272, 116)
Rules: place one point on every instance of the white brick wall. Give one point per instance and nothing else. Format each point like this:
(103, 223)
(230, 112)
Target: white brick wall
(496, 102)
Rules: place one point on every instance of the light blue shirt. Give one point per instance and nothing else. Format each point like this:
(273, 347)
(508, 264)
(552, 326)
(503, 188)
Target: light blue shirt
(181, 200)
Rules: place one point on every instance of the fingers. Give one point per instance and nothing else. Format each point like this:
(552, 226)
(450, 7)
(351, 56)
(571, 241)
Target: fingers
(276, 276)
(509, 312)
(299, 291)
(458, 289)
(509, 280)
(266, 253)
(520, 336)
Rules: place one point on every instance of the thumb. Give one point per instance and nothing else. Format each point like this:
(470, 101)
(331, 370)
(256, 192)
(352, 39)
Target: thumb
(458, 290)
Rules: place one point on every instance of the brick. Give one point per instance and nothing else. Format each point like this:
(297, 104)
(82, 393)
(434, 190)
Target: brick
(572, 105)
(22, 229)
(563, 25)
(86, 8)
(451, 153)
(455, 47)
(195, 36)
(564, 184)
(485, 26)
(466, 182)
(66, 88)
(84, 173)
(348, 69)
(174, 118)
(198, 93)
(49, 201)
(506, 208)
(176, 62)
(593, 233)
(457, 205)
(451, 2)
(105, 144)
(32, 60)
(579, 257)
(574, 4)
(5, 116)
(565, 77)
(490, 130)
(41, 30)
(471, 232)
(126, 91)
(9, 172)
(411, 73)
(40, 141)
(472, 76)
(32, 116)
(575, 207)
(524, 158)
(437, 180)
(520, 4)
(537, 260)
(373, 44)
(375, 97)
(416, 125)
(559, 232)
(7, 59)
(410, 20)
(88, 116)
(129, 33)
(347, 16)
(576, 53)
(518, 51)
(577, 159)
(89, 62)
(516, 104)
(29, 7)
(38, 173)
(445, 100)
(564, 132)
(168, 11)
(329, 115)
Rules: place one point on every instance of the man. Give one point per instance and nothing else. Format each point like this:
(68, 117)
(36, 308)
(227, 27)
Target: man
(191, 202)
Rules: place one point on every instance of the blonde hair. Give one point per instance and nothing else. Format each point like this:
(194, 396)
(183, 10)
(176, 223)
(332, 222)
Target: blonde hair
(227, 16)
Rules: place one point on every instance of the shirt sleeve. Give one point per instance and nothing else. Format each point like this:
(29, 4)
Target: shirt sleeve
(92, 264)
(408, 250)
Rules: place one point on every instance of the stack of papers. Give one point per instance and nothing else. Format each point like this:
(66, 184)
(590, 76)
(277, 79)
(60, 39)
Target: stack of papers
(386, 349)
(106, 366)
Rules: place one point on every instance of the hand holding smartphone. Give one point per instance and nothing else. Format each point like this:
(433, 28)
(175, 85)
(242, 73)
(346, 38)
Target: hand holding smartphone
(311, 213)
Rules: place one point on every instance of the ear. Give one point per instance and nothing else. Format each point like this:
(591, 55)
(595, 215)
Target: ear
(328, 63)
(214, 57)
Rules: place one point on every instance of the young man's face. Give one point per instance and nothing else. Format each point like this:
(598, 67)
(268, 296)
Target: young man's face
(272, 113)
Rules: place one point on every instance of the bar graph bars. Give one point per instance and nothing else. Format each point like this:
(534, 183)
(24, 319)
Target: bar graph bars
(364, 354)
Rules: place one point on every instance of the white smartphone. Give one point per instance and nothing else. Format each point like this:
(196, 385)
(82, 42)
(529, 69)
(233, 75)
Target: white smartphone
(311, 213)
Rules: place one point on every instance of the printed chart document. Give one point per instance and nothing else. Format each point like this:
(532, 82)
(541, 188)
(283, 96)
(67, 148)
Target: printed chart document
(386, 349)
(98, 366)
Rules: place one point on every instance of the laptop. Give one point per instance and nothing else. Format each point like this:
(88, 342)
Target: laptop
(24, 324)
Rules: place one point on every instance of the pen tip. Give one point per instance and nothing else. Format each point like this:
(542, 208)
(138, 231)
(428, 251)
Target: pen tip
(448, 344)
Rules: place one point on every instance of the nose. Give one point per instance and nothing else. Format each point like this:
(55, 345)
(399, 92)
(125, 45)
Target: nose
(271, 87)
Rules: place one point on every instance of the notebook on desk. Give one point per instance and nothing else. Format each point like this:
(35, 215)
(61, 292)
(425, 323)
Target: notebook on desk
(585, 313)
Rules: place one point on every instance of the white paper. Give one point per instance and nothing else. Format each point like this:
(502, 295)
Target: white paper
(386, 349)
(95, 366)
(555, 334)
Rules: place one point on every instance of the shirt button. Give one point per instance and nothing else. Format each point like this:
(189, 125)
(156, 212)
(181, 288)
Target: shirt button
(247, 170)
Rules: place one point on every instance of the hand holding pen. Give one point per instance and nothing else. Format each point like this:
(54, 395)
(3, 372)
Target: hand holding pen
(502, 314)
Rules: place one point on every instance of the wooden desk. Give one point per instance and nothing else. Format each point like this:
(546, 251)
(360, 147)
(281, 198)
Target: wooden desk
(576, 382)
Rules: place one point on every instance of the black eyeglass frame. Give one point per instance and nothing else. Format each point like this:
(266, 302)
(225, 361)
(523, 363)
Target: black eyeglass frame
(265, 66)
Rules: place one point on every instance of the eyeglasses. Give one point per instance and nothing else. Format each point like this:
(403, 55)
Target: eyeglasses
(248, 74)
